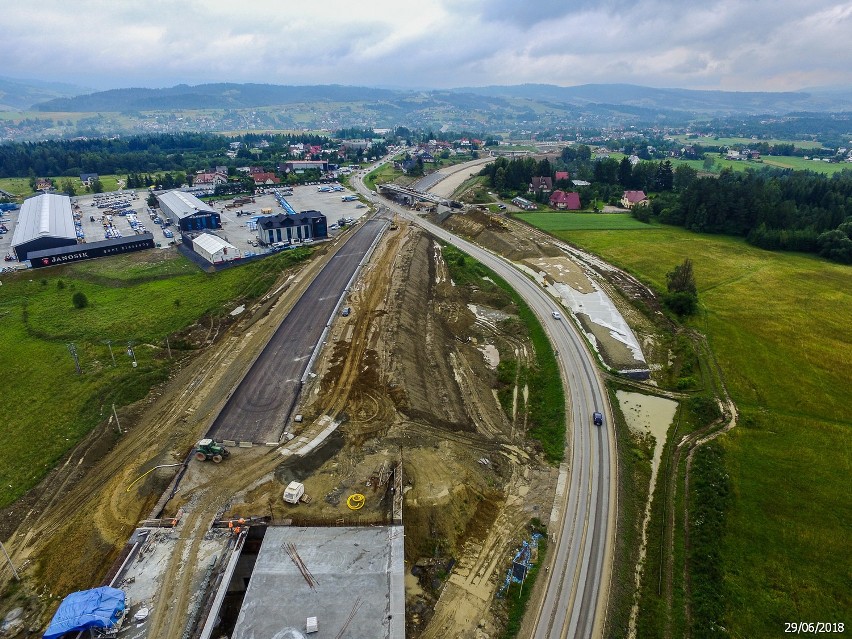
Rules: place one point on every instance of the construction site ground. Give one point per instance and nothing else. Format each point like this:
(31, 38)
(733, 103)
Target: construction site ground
(409, 375)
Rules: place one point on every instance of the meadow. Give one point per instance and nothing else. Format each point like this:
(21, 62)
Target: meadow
(136, 300)
(556, 221)
(20, 187)
(778, 325)
(802, 144)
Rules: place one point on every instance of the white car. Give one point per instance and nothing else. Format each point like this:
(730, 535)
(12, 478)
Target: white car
(556, 315)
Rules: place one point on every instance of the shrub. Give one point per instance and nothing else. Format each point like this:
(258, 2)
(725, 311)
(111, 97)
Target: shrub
(80, 300)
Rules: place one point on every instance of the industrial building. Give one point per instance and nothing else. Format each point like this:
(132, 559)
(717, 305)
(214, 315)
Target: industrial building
(45, 222)
(214, 249)
(187, 212)
(300, 166)
(307, 225)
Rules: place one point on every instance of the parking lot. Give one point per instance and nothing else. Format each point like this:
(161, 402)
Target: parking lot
(238, 223)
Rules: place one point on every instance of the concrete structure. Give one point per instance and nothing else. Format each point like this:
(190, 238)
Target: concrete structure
(307, 225)
(357, 569)
(214, 249)
(187, 212)
(45, 222)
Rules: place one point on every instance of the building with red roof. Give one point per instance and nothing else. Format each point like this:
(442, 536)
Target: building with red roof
(634, 198)
(565, 201)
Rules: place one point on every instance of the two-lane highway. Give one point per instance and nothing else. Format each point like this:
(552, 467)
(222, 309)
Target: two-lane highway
(578, 584)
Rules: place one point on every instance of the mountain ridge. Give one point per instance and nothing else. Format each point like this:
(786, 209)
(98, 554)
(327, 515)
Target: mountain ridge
(246, 95)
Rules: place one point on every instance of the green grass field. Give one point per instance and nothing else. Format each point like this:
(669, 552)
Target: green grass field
(385, 173)
(21, 186)
(802, 144)
(779, 326)
(569, 221)
(784, 162)
(46, 406)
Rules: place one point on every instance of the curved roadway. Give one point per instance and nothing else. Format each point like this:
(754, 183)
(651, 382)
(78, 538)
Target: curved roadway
(577, 589)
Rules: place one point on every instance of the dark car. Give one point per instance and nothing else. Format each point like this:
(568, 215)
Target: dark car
(597, 418)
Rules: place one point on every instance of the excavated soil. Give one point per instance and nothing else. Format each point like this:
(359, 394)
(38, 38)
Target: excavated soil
(406, 380)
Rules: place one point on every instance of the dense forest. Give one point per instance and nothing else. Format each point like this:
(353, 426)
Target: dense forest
(187, 152)
(775, 209)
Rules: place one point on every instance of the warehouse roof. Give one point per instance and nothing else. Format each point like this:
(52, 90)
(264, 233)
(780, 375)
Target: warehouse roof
(211, 243)
(183, 204)
(47, 215)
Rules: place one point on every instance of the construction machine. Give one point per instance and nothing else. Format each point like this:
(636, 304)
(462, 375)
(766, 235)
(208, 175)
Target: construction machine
(207, 449)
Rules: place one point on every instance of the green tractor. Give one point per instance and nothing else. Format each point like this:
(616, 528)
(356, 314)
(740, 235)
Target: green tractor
(207, 449)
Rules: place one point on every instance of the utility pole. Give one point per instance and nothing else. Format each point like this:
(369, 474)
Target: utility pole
(168, 348)
(117, 423)
(73, 350)
(109, 346)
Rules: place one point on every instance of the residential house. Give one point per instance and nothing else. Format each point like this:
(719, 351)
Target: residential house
(265, 179)
(541, 183)
(212, 178)
(634, 198)
(88, 178)
(565, 201)
(561, 176)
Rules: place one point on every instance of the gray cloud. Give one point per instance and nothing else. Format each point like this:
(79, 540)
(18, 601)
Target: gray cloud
(731, 44)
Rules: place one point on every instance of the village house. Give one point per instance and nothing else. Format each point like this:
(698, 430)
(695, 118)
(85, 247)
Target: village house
(541, 183)
(565, 201)
(634, 198)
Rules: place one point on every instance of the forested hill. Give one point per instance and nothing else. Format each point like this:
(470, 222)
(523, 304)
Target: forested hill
(610, 97)
(212, 96)
(717, 102)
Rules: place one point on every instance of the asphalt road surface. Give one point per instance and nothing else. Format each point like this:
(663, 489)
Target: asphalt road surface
(260, 406)
(578, 583)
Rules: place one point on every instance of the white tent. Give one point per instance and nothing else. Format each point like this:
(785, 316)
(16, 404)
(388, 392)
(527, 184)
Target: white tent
(214, 249)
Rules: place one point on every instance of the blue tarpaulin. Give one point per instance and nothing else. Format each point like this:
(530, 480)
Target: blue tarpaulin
(96, 608)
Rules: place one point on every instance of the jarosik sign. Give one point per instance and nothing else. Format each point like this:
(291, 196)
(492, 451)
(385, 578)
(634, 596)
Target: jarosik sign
(96, 249)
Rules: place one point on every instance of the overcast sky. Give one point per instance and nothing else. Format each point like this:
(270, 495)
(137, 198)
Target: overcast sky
(741, 45)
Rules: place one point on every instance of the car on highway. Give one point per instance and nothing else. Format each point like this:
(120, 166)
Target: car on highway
(556, 315)
(597, 418)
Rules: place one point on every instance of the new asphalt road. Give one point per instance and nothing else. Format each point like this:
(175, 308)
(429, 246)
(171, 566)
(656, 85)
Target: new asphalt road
(260, 406)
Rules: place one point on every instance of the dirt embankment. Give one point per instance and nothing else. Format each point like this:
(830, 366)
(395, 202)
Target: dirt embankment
(406, 377)
(410, 375)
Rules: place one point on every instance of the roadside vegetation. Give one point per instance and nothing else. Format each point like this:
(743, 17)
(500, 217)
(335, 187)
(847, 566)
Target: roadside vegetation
(776, 324)
(546, 402)
(130, 303)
